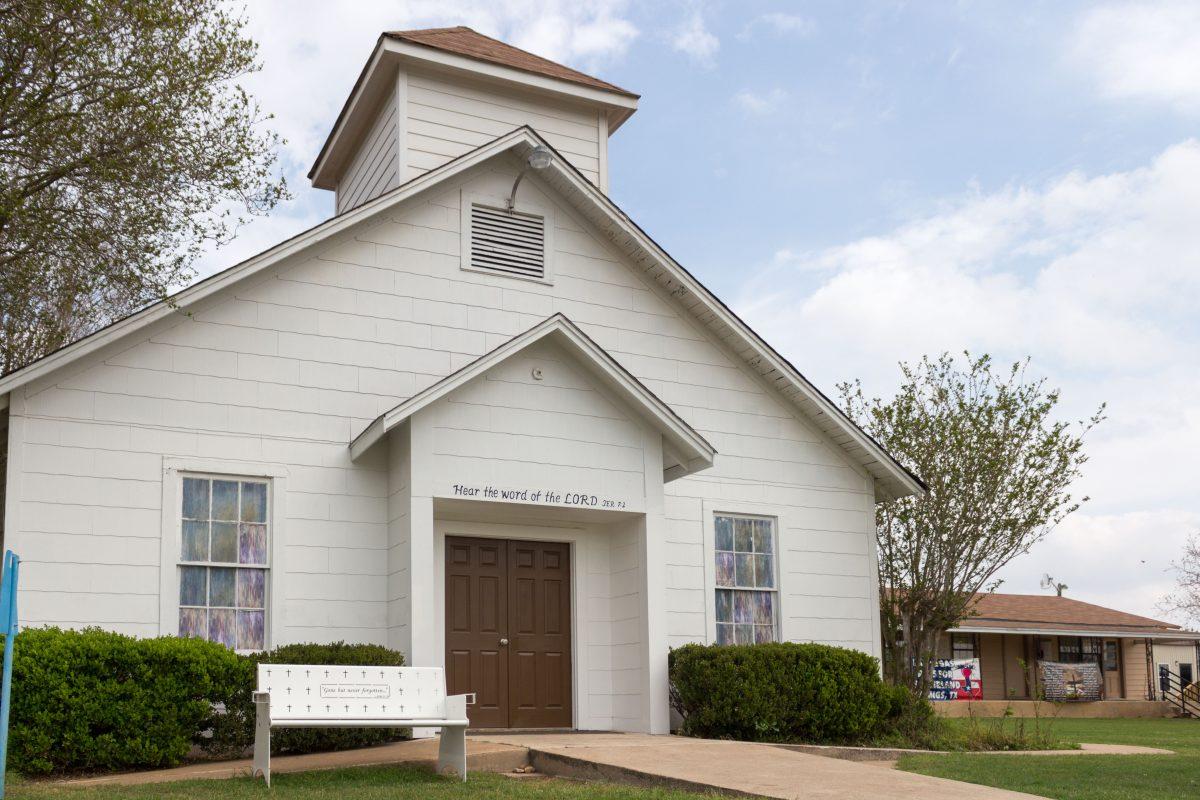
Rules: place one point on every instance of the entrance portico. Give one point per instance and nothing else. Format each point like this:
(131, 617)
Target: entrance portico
(543, 456)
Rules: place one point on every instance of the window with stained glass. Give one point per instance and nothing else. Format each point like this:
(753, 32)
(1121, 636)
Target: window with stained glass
(747, 598)
(223, 561)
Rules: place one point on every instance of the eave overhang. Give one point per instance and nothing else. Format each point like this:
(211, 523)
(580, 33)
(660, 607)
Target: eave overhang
(684, 450)
(1097, 631)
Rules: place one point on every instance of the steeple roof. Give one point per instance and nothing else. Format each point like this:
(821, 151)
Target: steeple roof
(470, 43)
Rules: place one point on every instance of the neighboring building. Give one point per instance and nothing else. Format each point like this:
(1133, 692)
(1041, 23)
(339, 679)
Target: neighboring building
(1010, 633)
(524, 444)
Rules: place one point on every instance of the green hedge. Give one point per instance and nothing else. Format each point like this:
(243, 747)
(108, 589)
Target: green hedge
(779, 692)
(96, 701)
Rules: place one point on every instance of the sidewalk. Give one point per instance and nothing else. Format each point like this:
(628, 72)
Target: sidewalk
(481, 756)
(737, 768)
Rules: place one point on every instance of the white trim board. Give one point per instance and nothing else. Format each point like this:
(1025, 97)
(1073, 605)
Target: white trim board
(172, 523)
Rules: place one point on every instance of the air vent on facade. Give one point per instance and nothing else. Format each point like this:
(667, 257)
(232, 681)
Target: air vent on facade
(508, 243)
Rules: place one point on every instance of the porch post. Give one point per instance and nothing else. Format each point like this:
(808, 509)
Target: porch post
(423, 602)
(657, 715)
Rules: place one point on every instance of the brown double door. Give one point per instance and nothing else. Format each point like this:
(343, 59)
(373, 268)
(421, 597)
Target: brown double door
(508, 631)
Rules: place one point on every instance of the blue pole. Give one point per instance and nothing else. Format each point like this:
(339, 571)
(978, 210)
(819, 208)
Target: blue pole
(8, 618)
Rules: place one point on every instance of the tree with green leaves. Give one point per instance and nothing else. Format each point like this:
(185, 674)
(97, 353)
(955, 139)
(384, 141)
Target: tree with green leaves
(999, 468)
(127, 146)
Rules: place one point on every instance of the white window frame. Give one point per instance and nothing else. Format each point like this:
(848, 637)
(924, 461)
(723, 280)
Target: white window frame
(522, 206)
(750, 511)
(174, 471)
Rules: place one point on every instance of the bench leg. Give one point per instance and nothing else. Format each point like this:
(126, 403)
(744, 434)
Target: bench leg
(262, 739)
(452, 751)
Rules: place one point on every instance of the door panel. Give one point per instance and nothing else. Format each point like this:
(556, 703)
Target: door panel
(540, 606)
(1110, 663)
(517, 591)
(476, 621)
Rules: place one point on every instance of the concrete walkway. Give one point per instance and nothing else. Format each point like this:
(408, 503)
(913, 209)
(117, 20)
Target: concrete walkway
(735, 768)
(892, 754)
(738, 768)
(481, 757)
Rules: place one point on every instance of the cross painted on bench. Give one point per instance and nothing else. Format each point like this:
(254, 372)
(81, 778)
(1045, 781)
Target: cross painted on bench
(434, 709)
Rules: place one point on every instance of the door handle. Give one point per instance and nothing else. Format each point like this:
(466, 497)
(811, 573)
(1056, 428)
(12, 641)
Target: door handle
(504, 642)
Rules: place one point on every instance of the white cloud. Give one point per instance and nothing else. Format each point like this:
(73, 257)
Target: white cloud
(1096, 278)
(694, 39)
(311, 58)
(780, 24)
(1110, 560)
(1142, 51)
(760, 102)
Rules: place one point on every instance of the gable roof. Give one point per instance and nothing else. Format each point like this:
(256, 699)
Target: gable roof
(467, 42)
(1033, 613)
(684, 450)
(891, 478)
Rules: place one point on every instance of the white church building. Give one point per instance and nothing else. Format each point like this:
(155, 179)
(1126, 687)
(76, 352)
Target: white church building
(478, 415)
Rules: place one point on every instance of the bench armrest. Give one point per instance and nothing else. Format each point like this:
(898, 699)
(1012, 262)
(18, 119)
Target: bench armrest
(456, 705)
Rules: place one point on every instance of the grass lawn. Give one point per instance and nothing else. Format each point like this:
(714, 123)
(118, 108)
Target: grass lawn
(355, 783)
(1087, 777)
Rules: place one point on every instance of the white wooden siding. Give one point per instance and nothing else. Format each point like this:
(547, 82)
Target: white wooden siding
(449, 117)
(507, 430)
(286, 368)
(375, 167)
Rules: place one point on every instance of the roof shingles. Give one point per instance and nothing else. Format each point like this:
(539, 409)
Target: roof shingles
(467, 42)
(1049, 612)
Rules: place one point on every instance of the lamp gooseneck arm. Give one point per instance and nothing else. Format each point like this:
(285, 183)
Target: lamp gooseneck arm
(512, 196)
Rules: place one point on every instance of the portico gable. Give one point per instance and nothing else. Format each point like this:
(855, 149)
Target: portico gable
(543, 449)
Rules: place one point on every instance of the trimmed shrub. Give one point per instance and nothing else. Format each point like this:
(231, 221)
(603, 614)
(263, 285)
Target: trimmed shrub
(93, 700)
(778, 692)
(233, 732)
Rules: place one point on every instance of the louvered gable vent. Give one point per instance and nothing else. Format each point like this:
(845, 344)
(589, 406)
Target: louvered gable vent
(508, 243)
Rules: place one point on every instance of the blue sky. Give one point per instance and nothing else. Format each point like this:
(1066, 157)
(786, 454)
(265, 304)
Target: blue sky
(867, 182)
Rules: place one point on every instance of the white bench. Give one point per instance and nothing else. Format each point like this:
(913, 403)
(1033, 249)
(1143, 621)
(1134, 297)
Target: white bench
(309, 696)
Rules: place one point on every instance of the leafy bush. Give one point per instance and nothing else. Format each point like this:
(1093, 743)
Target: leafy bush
(93, 700)
(778, 692)
(910, 721)
(233, 731)
(97, 701)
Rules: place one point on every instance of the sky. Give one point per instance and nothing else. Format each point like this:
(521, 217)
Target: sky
(869, 182)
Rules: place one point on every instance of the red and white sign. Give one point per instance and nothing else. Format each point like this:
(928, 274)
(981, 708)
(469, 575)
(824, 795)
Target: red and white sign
(956, 679)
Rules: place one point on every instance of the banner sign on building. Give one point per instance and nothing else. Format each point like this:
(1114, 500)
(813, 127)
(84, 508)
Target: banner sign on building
(1071, 683)
(956, 679)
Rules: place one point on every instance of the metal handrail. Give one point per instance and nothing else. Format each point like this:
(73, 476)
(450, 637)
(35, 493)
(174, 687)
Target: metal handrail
(1173, 690)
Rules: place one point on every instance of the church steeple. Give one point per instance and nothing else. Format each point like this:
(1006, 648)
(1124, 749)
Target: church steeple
(426, 97)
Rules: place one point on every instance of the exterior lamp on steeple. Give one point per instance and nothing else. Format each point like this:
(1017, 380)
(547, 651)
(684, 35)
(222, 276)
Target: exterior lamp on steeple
(538, 159)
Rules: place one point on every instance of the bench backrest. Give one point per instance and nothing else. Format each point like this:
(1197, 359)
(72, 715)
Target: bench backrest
(334, 693)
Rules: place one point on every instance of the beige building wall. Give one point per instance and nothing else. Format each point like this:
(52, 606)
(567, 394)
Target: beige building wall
(1018, 663)
(991, 665)
(1133, 662)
